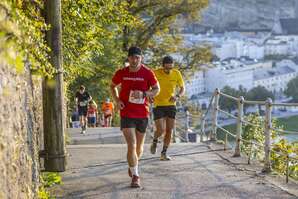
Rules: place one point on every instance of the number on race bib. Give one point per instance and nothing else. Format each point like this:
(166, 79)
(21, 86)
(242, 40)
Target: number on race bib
(135, 100)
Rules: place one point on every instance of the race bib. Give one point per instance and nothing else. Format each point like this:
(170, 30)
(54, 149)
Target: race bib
(135, 100)
(83, 103)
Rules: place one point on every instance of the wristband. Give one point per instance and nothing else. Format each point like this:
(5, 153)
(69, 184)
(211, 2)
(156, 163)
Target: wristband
(144, 94)
(178, 96)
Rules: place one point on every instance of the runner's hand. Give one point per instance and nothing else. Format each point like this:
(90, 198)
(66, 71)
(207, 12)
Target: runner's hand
(151, 99)
(173, 99)
(120, 104)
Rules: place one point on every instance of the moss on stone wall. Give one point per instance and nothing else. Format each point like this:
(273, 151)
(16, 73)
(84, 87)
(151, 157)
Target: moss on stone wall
(20, 131)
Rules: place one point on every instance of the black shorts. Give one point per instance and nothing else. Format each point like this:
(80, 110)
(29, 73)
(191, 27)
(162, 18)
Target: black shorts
(164, 111)
(140, 124)
(82, 110)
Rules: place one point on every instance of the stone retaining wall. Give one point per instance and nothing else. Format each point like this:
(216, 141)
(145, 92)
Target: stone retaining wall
(20, 132)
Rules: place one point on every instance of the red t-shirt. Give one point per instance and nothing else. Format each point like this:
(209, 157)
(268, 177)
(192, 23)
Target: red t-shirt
(141, 80)
(91, 112)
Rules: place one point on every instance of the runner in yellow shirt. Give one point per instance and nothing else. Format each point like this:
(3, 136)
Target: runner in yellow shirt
(171, 89)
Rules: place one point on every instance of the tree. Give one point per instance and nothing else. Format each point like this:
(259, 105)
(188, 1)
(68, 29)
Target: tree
(259, 93)
(87, 26)
(92, 45)
(156, 19)
(159, 27)
(292, 89)
(102, 29)
(226, 103)
(230, 104)
(242, 91)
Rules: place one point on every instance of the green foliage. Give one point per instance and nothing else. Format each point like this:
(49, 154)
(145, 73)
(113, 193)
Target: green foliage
(96, 35)
(281, 148)
(157, 20)
(292, 89)
(22, 36)
(279, 157)
(89, 26)
(51, 178)
(226, 103)
(158, 31)
(289, 123)
(254, 134)
(259, 93)
(48, 179)
(92, 47)
(44, 194)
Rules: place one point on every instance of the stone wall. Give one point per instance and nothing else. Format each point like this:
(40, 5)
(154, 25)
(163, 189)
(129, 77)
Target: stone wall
(20, 129)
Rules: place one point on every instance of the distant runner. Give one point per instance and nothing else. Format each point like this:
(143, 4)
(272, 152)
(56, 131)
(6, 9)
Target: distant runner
(107, 109)
(82, 99)
(92, 114)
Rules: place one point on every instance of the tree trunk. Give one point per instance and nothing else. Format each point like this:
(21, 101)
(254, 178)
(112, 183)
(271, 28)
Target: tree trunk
(54, 121)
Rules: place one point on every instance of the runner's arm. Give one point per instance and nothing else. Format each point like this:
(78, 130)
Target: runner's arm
(115, 95)
(181, 91)
(153, 91)
(89, 97)
(114, 92)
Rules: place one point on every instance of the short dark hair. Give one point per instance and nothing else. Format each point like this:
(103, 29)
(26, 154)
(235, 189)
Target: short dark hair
(82, 87)
(134, 50)
(167, 60)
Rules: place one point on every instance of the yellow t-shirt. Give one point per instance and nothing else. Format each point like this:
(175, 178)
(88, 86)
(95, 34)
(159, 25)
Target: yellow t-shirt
(168, 84)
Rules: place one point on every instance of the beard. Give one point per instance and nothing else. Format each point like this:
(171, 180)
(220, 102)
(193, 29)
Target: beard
(134, 65)
(168, 70)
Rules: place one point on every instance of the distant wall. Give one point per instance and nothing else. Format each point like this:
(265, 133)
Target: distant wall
(20, 129)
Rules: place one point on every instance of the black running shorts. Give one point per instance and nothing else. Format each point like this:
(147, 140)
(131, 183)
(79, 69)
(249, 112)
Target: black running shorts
(82, 110)
(140, 124)
(164, 111)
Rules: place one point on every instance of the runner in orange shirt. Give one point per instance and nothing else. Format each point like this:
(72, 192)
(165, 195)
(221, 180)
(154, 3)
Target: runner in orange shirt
(107, 110)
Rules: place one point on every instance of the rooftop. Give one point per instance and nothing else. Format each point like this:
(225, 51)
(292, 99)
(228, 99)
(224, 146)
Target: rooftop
(289, 26)
(277, 71)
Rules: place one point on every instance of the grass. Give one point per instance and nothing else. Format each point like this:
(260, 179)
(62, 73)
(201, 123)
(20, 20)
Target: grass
(289, 123)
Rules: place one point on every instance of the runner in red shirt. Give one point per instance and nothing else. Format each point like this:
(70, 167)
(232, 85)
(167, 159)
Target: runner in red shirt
(92, 114)
(137, 83)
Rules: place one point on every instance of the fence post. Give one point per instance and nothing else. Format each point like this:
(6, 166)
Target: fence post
(215, 114)
(287, 171)
(268, 124)
(202, 129)
(226, 142)
(239, 126)
(187, 114)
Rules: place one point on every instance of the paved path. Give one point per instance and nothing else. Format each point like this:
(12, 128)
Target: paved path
(111, 135)
(100, 171)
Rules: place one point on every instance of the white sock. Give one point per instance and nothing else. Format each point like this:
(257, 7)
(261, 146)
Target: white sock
(134, 170)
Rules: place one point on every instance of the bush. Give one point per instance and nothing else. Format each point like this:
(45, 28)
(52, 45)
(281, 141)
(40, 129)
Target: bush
(281, 149)
(48, 179)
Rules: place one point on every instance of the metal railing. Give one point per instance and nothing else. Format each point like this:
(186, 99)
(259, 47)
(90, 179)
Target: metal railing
(265, 147)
